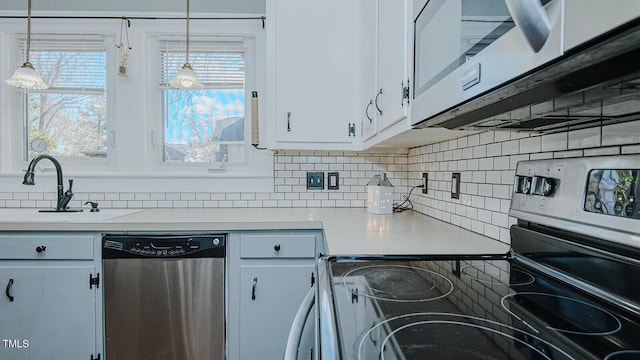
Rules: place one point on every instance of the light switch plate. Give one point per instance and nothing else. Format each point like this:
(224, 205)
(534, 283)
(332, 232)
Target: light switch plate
(333, 181)
(425, 182)
(315, 180)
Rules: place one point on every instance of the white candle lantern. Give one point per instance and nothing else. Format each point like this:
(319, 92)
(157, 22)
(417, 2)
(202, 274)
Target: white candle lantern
(380, 195)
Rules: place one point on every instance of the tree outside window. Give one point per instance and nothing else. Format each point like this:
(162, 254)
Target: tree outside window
(205, 126)
(71, 116)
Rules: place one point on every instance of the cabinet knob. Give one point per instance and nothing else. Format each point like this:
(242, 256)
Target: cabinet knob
(276, 247)
(41, 248)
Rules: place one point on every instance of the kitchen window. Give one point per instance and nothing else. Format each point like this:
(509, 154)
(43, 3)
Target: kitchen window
(130, 131)
(69, 119)
(204, 126)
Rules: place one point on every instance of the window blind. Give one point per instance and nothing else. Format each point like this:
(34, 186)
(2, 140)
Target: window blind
(69, 63)
(218, 65)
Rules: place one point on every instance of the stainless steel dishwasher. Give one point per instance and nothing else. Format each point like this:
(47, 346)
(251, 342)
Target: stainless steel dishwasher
(164, 296)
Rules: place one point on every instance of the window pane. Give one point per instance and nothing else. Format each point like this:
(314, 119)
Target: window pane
(73, 125)
(204, 126)
(71, 116)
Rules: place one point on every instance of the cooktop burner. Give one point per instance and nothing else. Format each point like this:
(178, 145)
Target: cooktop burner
(452, 336)
(624, 355)
(400, 283)
(457, 309)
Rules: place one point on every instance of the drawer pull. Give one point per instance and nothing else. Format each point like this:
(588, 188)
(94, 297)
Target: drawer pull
(276, 247)
(8, 290)
(41, 249)
(254, 281)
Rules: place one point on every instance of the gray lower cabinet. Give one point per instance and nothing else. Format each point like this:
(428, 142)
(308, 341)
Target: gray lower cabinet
(48, 306)
(276, 270)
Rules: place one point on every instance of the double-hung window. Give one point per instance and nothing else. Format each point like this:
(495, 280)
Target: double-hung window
(204, 126)
(71, 116)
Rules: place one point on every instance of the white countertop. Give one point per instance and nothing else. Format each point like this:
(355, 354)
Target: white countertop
(348, 231)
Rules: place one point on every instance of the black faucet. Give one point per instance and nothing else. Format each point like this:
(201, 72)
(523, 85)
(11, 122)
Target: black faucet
(63, 197)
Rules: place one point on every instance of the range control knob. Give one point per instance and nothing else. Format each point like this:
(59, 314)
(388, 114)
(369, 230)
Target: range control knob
(545, 186)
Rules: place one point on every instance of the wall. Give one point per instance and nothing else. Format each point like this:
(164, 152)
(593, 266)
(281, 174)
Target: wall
(486, 162)
(290, 169)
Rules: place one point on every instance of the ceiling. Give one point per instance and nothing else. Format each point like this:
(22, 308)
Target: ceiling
(154, 6)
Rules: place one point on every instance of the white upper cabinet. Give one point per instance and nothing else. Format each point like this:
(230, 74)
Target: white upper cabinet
(310, 77)
(383, 39)
(393, 51)
(365, 41)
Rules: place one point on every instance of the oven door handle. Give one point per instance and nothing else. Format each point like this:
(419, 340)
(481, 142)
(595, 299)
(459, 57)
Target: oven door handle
(532, 19)
(295, 334)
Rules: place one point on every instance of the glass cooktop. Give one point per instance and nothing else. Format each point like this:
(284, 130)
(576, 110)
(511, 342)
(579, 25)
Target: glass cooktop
(481, 309)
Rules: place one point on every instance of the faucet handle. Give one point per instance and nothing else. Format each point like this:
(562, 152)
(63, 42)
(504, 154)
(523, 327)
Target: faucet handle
(70, 185)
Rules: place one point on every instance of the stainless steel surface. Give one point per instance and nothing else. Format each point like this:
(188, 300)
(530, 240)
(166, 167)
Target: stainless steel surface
(297, 328)
(565, 207)
(327, 329)
(594, 83)
(164, 308)
(532, 19)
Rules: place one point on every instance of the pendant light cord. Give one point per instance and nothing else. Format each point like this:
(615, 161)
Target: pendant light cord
(187, 57)
(28, 28)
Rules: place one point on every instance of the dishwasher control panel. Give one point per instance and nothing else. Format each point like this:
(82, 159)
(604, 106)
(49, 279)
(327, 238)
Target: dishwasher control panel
(163, 246)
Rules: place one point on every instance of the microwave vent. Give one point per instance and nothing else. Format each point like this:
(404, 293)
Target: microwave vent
(598, 84)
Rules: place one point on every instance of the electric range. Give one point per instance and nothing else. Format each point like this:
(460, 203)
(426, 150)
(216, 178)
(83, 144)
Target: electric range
(567, 289)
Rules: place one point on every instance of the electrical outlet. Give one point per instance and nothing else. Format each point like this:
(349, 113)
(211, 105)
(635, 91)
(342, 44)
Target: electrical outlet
(425, 182)
(315, 180)
(455, 186)
(333, 182)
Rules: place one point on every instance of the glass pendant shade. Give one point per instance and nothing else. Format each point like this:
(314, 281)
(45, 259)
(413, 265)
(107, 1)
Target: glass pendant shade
(186, 79)
(26, 77)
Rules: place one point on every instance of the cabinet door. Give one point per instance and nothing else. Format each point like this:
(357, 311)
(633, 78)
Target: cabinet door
(52, 315)
(313, 62)
(365, 41)
(392, 61)
(266, 318)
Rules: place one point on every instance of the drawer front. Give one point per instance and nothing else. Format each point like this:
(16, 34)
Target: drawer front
(32, 246)
(277, 246)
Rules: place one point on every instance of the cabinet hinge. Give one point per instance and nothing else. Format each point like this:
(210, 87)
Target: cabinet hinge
(95, 358)
(405, 92)
(352, 129)
(94, 281)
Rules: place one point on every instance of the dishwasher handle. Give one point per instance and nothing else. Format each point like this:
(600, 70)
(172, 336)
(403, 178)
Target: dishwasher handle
(295, 334)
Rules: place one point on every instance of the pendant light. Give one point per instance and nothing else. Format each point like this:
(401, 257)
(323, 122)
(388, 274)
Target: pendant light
(26, 77)
(186, 78)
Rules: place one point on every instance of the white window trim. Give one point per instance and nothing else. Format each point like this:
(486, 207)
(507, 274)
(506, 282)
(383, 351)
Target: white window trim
(131, 113)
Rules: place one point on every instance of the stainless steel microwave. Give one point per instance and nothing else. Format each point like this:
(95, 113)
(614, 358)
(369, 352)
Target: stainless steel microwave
(496, 54)
(463, 48)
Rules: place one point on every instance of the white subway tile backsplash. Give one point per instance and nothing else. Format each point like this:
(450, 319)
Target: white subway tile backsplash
(584, 138)
(500, 136)
(486, 137)
(612, 150)
(473, 140)
(530, 145)
(510, 147)
(480, 151)
(555, 142)
(621, 134)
